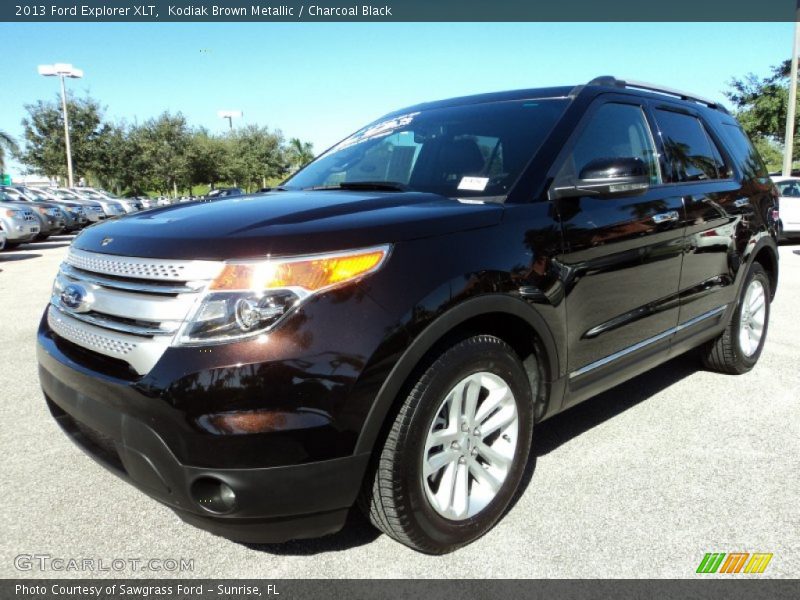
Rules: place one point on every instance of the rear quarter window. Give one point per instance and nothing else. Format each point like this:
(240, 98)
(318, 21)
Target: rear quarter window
(742, 150)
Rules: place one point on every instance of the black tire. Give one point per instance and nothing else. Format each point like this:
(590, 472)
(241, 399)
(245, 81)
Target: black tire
(42, 237)
(394, 497)
(725, 353)
(12, 245)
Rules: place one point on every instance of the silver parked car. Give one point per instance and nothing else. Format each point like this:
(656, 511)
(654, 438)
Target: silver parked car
(19, 222)
(112, 208)
(53, 218)
(94, 210)
(2, 237)
(74, 212)
(129, 204)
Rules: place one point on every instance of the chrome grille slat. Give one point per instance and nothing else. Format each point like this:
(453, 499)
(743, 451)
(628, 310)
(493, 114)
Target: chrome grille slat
(132, 307)
(94, 341)
(140, 353)
(144, 268)
(140, 286)
(105, 322)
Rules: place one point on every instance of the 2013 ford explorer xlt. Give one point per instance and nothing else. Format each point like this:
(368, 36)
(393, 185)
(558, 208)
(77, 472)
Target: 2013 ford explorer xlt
(389, 325)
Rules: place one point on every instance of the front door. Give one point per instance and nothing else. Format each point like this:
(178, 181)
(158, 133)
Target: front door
(622, 256)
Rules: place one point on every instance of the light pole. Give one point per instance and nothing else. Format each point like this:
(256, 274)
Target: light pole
(62, 70)
(230, 115)
(788, 149)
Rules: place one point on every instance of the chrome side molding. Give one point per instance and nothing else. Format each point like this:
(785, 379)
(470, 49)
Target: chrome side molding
(644, 343)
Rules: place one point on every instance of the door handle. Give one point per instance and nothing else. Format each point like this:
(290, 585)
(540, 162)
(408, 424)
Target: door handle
(665, 217)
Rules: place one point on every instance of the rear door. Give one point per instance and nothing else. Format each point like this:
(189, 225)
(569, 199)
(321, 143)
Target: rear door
(718, 210)
(622, 255)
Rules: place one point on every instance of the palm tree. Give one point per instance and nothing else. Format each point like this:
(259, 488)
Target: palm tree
(7, 143)
(301, 153)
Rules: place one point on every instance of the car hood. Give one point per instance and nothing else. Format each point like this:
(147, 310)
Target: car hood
(18, 205)
(285, 223)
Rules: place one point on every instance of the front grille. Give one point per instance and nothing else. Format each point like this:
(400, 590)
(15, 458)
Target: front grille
(135, 305)
(105, 344)
(141, 268)
(28, 215)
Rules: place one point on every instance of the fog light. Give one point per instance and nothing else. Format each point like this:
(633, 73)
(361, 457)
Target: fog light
(213, 495)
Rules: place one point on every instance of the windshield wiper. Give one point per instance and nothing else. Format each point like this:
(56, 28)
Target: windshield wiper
(381, 186)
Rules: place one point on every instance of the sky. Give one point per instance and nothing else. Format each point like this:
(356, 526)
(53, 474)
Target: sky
(322, 81)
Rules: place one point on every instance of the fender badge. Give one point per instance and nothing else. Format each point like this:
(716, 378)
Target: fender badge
(106, 241)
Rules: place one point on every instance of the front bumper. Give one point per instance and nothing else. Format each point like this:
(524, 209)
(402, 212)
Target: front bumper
(22, 232)
(110, 421)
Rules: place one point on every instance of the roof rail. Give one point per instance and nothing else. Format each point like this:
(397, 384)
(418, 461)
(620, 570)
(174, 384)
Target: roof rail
(610, 81)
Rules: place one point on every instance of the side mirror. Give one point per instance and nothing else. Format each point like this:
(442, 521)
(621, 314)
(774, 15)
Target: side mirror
(608, 177)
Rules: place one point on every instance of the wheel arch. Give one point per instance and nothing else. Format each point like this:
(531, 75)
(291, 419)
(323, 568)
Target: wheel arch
(767, 256)
(509, 318)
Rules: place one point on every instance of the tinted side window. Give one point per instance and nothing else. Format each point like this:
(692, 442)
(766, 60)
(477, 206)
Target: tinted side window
(743, 151)
(691, 153)
(614, 131)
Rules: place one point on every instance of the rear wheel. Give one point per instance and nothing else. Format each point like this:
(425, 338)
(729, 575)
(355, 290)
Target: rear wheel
(457, 450)
(739, 347)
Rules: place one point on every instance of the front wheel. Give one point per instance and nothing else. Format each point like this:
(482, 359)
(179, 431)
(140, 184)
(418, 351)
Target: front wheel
(738, 348)
(457, 450)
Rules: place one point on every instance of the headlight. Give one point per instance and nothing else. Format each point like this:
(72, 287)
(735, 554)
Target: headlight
(13, 213)
(249, 298)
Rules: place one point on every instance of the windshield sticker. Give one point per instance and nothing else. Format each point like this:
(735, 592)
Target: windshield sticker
(378, 130)
(476, 184)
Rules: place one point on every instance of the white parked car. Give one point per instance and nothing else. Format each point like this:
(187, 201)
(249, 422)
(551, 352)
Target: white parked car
(789, 206)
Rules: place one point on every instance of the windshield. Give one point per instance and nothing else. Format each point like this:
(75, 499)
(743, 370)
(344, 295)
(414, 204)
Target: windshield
(34, 195)
(458, 151)
(90, 194)
(64, 194)
(790, 187)
(12, 194)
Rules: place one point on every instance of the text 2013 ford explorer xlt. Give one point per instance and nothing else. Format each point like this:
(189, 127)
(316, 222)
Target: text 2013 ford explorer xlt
(388, 327)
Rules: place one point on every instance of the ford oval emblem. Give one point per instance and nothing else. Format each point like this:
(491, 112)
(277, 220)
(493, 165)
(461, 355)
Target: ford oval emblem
(75, 297)
(106, 241)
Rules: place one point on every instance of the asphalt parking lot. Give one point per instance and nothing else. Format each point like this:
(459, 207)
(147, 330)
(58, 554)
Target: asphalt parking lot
(639, 482)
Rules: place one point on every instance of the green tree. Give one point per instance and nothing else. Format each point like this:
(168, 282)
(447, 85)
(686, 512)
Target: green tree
(207, 157)
(761, 102)
(300, 153)
(771, 152)
(163, 144)
(118, 161)
(7, 144)
(256, 157)
(44, 149)
(761, 105)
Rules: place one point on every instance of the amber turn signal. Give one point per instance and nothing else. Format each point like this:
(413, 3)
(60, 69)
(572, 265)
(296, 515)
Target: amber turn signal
(313, 273)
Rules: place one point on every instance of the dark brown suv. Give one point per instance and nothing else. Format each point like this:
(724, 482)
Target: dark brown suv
(390, 324)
